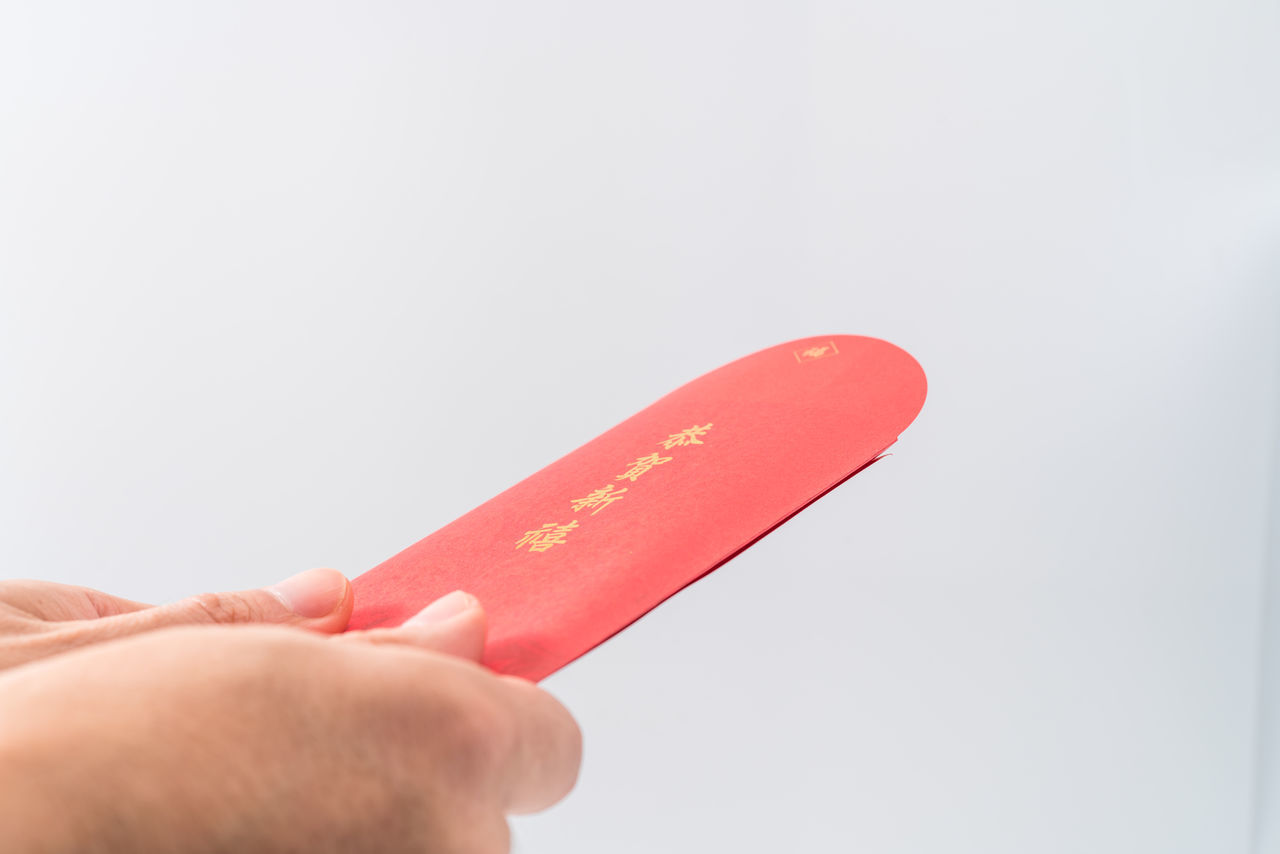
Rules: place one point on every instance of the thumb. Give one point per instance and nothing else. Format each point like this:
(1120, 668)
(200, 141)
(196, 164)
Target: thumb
(318, 599)
(454, 624)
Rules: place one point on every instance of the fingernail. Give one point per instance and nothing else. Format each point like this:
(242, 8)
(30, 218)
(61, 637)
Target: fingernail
(450, 605)
(314, 593)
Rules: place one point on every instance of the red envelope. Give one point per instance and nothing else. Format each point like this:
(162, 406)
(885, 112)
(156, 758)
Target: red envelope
(579, 550)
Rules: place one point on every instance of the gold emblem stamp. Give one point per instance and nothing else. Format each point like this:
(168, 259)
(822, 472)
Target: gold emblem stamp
(816, 351)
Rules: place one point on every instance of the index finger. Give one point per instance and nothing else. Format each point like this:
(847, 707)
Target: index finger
(546, 750)
(522, 741)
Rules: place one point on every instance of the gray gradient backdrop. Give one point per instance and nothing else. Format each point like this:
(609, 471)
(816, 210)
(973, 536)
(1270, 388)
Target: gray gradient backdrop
(284, 286)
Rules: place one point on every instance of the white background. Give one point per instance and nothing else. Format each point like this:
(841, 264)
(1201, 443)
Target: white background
(284, 286)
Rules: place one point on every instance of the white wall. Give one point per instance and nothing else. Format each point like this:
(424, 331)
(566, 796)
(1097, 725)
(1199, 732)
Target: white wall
(1267, 798)
(283, 286)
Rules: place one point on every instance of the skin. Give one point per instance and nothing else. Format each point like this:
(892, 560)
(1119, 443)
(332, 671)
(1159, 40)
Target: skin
(240, 722)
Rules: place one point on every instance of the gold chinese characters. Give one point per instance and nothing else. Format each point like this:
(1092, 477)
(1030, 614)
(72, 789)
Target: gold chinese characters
(554, 534)
(600, 499)
(685, 437)
(641, 466)
(548, 535)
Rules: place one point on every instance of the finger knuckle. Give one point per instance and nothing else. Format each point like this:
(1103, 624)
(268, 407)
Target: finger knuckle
(222, 608)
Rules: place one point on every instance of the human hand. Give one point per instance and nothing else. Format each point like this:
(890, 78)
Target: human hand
(257, 738)
(40, 618)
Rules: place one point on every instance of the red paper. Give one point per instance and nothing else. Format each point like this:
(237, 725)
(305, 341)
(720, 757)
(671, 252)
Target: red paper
(579, 550)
